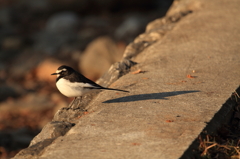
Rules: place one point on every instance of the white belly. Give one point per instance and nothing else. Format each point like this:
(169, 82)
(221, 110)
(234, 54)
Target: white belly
(72, 89)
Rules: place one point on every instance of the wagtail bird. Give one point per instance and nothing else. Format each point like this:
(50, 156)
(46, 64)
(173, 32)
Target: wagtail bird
(73, 84)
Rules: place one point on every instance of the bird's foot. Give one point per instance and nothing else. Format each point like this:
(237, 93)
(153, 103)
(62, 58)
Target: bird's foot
(70, 105)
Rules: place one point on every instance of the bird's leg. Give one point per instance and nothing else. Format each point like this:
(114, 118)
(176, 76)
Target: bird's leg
(78, 102)
(80, 98)
(72, 101)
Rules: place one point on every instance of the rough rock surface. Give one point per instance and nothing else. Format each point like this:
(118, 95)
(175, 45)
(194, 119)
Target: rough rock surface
(183, 77)
(101, 52)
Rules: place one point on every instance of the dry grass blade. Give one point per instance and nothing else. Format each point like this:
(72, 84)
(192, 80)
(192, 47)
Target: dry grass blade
(202, 145)
(226, 147)
(236, 94)
(204, 153)
(237, 152)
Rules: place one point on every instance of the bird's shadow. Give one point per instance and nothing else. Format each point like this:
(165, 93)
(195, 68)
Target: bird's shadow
(139, 97)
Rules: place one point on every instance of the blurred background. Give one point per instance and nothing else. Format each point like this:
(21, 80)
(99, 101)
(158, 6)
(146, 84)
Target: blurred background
(37, 36)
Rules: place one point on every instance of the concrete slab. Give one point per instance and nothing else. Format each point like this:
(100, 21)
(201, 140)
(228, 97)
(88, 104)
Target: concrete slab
(164, 111)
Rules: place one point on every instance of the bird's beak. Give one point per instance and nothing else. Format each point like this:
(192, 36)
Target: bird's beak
(54, 74)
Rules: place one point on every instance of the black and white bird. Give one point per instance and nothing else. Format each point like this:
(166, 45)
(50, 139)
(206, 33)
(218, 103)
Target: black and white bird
(73, 84)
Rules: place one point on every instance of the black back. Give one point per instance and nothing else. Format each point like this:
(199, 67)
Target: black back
(74, 76)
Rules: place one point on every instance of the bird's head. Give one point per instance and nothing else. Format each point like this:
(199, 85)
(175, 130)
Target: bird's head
(63, 71)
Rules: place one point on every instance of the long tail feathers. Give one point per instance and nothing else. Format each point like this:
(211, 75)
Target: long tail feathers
(106, 89)
(114, 89)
